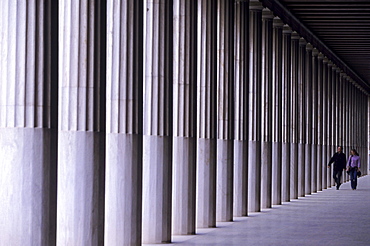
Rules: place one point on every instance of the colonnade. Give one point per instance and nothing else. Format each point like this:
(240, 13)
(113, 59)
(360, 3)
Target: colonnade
(126, 122)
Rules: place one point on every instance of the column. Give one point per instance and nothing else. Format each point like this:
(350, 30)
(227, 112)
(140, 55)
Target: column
(241, 108)
(286, 114)
(158, 122)
(319, 124)
(124, 128)
(325, 117)
(329, 123)
(267, 106)
(308, 98)
(254, 134)
(277, 38)
(302, 117)
(185, 116)
(81, 136)
(225, 111)
(346, 120)
(28, 122)
(207, 81)
(294, 117)
(333, 118)
(314, 121)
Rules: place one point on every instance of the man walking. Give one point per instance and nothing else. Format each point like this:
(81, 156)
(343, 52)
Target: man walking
(339, 159)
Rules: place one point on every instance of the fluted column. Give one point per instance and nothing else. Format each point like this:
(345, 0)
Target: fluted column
(325, 118)
(315, 115)
(319, 124)
(241, 108)
(267, 106)
(329, 123)
(286, 97)
(308, 98)
(185, 116)
(302, 117)
(81, 138)
(334, 120)
(254, 133)
(225, 108)
(158, 122)
(294, 117)
(124, 128)
(277, 109)
(206, 163)
(346, 128)
(28, 122)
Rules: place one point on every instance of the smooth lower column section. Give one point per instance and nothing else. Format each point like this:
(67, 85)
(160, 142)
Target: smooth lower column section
(286, 94)
(225, 126)
(277, 110)
(294, 118)
(158, 123)
(302, 118)
(28, 123)
(185, 113)
(254, 134)
(241, 109)
(124, 128)
(207, 114)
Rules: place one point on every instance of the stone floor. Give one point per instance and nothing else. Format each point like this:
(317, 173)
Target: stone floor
(330, 217)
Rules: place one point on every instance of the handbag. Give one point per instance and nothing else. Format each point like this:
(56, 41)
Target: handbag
(358, 173)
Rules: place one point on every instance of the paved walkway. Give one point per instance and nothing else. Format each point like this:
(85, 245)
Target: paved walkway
(331, 217)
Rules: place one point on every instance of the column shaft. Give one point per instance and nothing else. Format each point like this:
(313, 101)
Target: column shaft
(81, 139)
(308, 98)
(207, 114)
(124, 128)
(225, 119)
(254, 134)
(277, 110)
(315, 116)
(241, 108)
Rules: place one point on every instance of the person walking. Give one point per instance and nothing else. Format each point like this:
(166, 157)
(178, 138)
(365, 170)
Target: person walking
(339, 160)
(353, 166)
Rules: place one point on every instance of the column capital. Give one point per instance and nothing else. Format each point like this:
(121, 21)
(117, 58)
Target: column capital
(302, 42)
(326, 60)
(295, 35)
(330, 63)
(267, 14)
(342, 74)
(315, 52)
(255, 5)
(334, 67)
(277, 23)
(321, 56)
(309, 47)
(287, 29)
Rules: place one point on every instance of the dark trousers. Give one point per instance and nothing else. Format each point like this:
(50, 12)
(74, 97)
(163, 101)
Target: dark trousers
(337, 175)
(353, 177)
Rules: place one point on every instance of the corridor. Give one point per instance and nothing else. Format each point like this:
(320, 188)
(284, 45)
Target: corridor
(330, 217)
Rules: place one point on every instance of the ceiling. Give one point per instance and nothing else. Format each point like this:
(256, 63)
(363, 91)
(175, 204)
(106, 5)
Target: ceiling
(338, 28)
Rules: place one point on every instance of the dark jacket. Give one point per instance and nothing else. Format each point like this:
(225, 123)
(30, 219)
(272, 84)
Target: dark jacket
(339, 160)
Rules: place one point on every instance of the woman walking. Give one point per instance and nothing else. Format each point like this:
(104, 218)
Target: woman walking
(353, 166)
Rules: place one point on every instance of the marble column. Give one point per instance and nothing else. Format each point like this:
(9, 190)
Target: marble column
(124, 128)
(207, 113)
(333, 114)
(325, 118)
(294, 117)
(254, 133)
(225, 111)
(308, 122)
(329, 122)
(81, 136)
(185, 116)
(314, 121)
(277, 38)
(158, 122)
(267, 105)
(286, 113)
(319, 109)
(28, 122)
(302, 117)
(241, 108)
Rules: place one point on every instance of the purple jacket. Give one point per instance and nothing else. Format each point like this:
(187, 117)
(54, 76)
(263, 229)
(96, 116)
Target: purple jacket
(354, 161)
